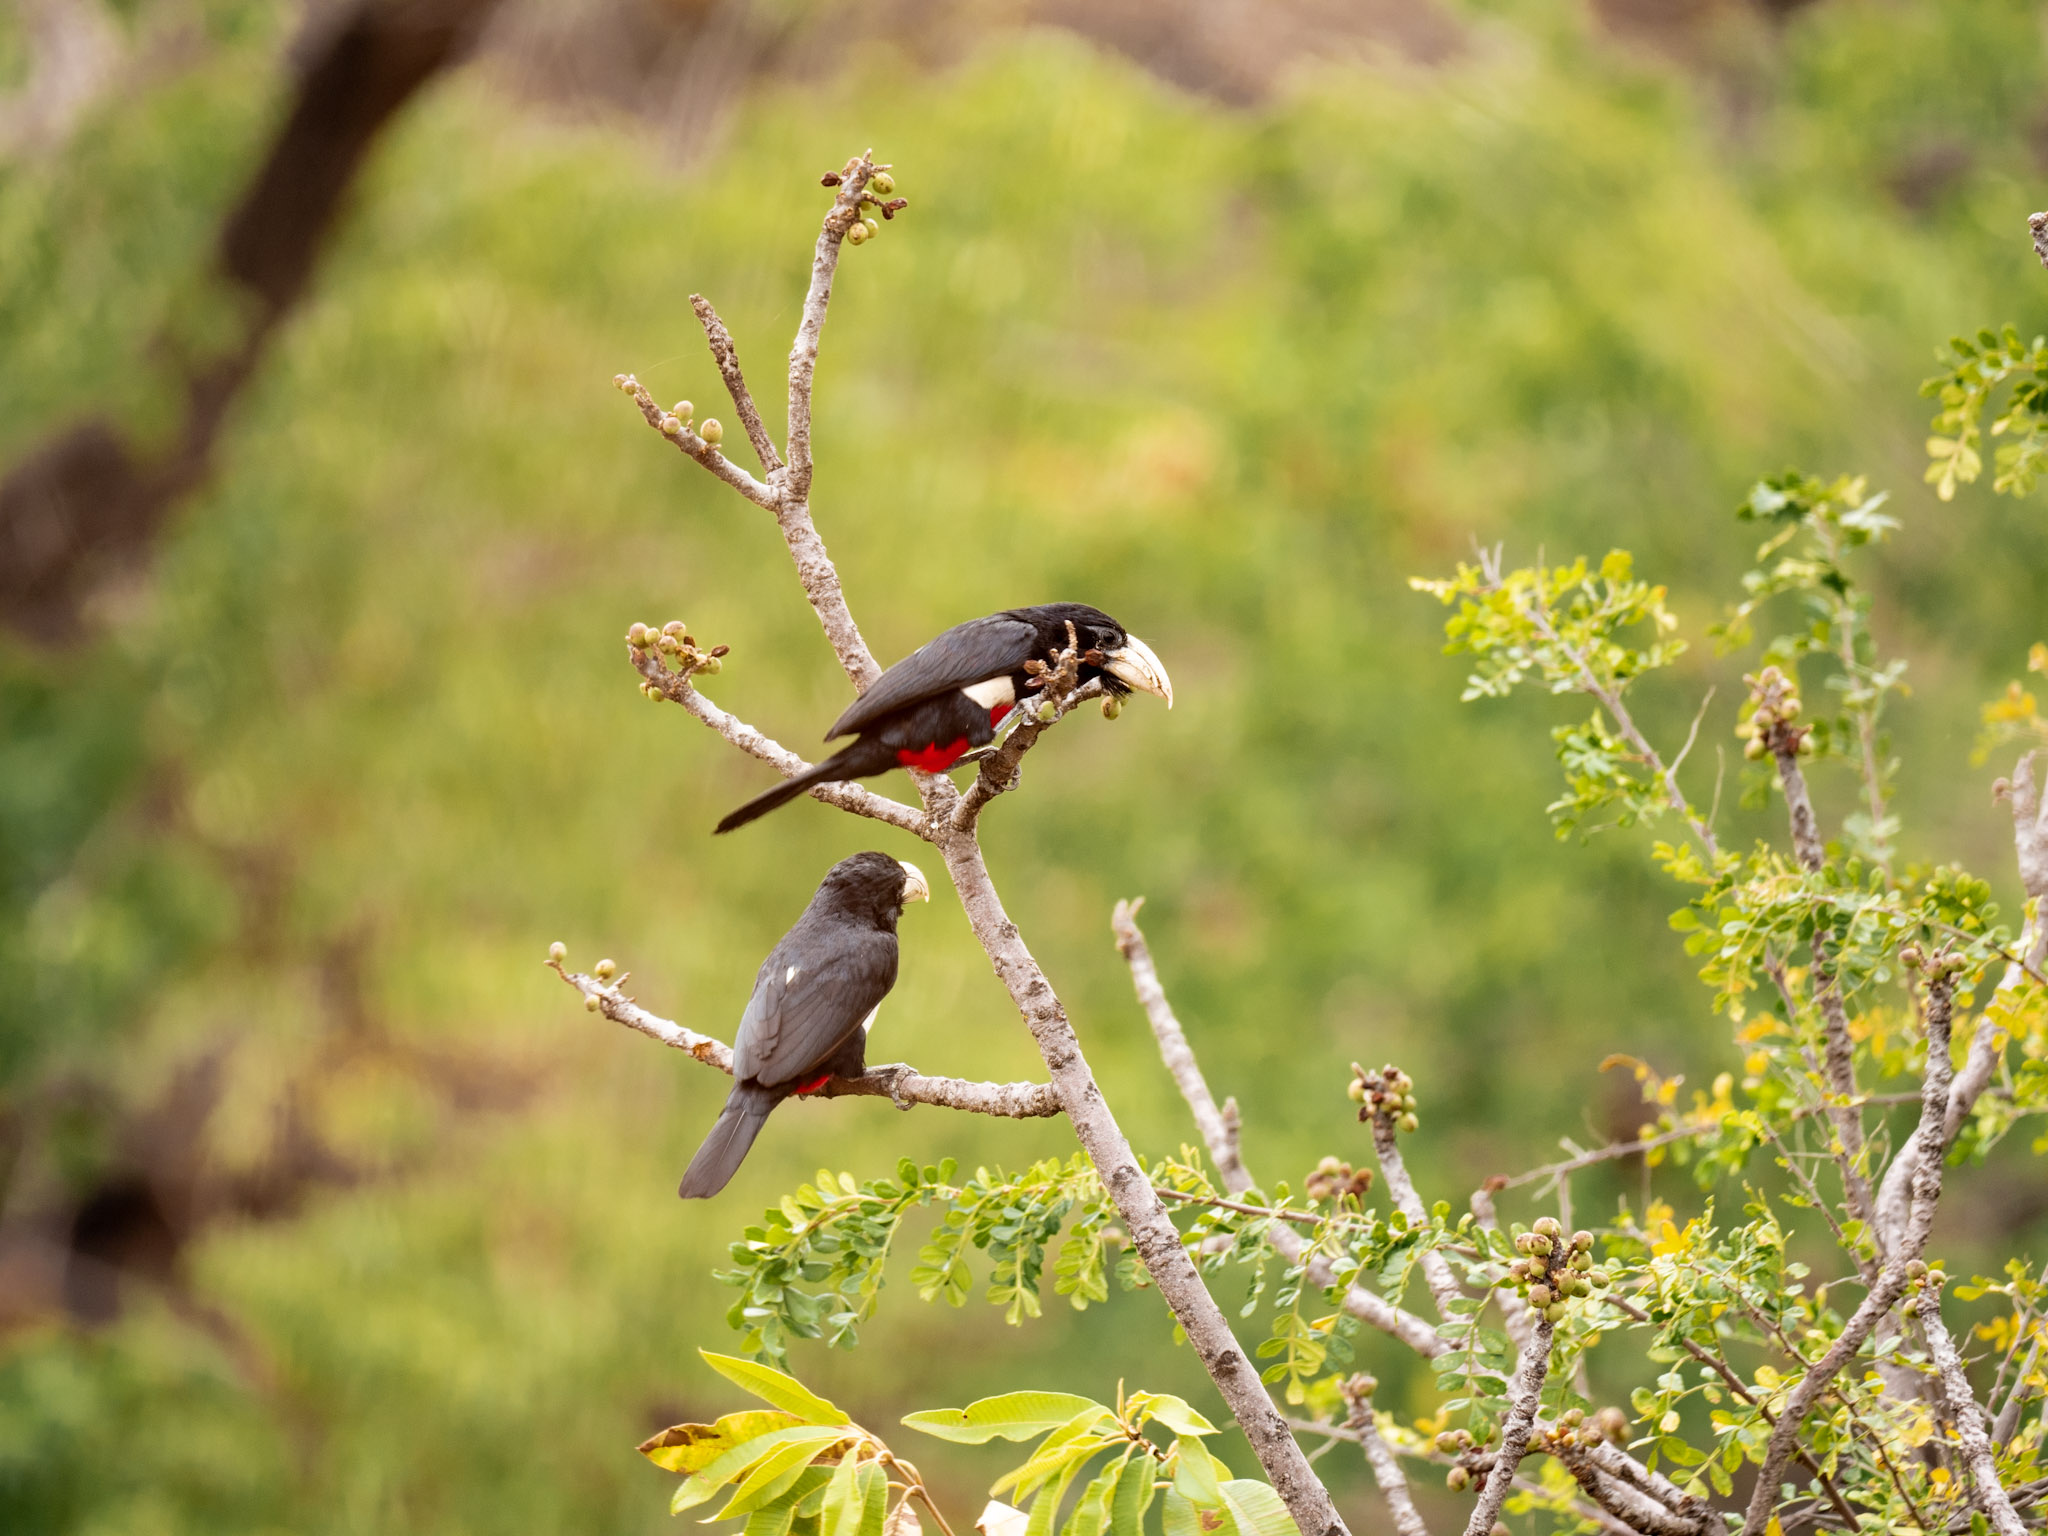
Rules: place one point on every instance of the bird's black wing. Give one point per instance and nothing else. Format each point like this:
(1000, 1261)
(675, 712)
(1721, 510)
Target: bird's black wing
(964, 655)
(813, 991)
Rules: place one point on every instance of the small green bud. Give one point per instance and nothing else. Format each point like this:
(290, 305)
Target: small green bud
(709, 664)
(1457, 1479)
(1936, 1279)
(1555, 1312)
(590, 1005)
(637, 637)
(1582, 1240)
(1540, 1296)
(1539, 1245)
(619, 381)
(1048, 712)
(670, 427)
(1447, 1444)
(1612, 1424)
(684, 409)
(1547, 1226)
(713, 431)
(858, 234)
(874, 227)
(1754, 750)
(1582, 1260)
(558, 951)
(881, 183)
(1356, 1092)
(605, 970)
(1112, 706)
(668, 645)
(1408, 1124)
(1599, 1279)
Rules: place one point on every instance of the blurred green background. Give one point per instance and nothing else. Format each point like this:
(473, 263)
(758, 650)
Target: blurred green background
(324, 1207)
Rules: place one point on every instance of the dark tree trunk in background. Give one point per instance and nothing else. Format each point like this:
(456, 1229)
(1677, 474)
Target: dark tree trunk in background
(88, 501)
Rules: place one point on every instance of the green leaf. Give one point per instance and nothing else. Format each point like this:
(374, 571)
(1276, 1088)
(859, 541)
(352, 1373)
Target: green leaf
(1012, 1416)
(689, 1447)
(1046, 1507)
(774, 1474)
(774, 1387)
(724, 1468)
(1091, 1514)
(874, 1499)
(1133, 1496)
(774, 1520)
(1171, 1411)
(1256, 1509)
(844, 1507)
(1199, 1476)
(1183, 1519)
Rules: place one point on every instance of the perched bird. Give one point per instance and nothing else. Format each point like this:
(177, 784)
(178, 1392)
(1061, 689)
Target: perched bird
(814, 1000)
(948, 696)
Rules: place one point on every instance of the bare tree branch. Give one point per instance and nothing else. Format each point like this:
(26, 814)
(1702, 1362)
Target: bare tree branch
(1436, 1269)
(687, 442)
(677, 688)
(1218, 1130)
(898, 1082)
(1386, 1467)
(1986, 1492)
(1525, 1395)
(1893, 1277)
(727, 357)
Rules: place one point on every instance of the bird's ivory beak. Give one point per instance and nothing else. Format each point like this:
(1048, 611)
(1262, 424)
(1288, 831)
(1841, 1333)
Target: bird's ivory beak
(914, 887)
(1135, 664)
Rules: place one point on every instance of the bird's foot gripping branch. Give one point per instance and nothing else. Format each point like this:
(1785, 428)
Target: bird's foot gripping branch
(1779, 1353)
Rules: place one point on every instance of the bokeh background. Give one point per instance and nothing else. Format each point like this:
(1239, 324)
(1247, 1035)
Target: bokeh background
(323, 1206)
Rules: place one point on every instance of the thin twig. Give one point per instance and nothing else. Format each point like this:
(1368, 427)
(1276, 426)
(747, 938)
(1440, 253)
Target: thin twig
(727, 357)
(902, 1084)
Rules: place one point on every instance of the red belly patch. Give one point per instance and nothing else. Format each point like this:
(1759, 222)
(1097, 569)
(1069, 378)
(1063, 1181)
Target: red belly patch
(814, 1084)
(934, 758)
(995, 715)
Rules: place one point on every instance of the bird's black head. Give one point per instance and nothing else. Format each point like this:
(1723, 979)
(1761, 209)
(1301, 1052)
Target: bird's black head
(1128, 662)
(872, 886)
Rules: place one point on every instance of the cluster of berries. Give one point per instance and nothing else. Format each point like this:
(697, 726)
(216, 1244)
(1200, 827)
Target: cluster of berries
(1922, 1285)
(875, 199)
(1552, 1270)
(675, 646)
(1937, 966)
(1772, 726)
(677, 420)
(604, 970)
(1333, 1179)
(1388, 1093)
(1574, 1428)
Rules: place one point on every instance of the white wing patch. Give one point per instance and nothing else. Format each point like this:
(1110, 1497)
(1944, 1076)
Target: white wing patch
(868, 1023)
(997, 690)
(789, 976)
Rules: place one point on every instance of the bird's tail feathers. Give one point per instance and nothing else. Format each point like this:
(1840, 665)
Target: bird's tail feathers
(847, 763)
(732, 1134)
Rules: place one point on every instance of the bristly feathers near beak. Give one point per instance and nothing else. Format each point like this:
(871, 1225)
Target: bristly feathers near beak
(1135, 664)
(914, 887)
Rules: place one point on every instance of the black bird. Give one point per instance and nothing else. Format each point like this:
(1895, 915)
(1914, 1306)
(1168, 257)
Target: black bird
(814, 999)
(948, 696)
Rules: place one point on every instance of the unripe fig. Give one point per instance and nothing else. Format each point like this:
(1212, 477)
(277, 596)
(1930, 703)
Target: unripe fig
(857, 234)
(1582, 1240)
(713, 431)
(637, 637)
(605, 970)
(1582, 1260)
(1112, 706)
(558, 951)
(1555, 1312)
(1356, 1092)
(670, 427)
(590, 1005)
(709, 664)
(881, 183)
(874, 227)
(1547, 1226)
(1613, 1424)
(1048, 712)
(1408, 1124)
(1755, 749)
(1540, 1296)
(1457, 1479)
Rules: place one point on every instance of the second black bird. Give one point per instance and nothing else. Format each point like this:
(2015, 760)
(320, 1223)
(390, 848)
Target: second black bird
(814, 998)
(947, 697)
